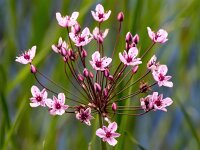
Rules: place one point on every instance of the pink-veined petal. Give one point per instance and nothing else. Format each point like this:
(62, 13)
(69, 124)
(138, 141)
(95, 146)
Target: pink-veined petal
(100, 133)
(112, 127)
(111, 141)
(35, 91)
(61, 98)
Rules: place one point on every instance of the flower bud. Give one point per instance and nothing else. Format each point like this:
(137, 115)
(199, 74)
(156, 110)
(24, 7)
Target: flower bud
(85, 72)
(136, 39)
(114, 106)
(33, 69)
(105, 92)
(65, 59)
(91, 75)
(120, 16)
(80, 78)
(110, 77)
(70, 52)
(97, 87)
(63, 51)
(134, 69)
(106, 73)
(129, 37)
(83, 53)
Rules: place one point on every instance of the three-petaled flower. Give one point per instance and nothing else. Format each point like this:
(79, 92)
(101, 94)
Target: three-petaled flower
(27, 56)
(130, 57)
(57, 105)
(39, 97)
(99, 63)
(155, 102)
(160, 76)
(61, 47)
(84, 115)
(67, 21)
(100, 15)
(108, 134)
(99, 35)
(158, 37)
(81, 39)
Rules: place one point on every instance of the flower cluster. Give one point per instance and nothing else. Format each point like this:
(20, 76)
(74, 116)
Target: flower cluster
(97, 80)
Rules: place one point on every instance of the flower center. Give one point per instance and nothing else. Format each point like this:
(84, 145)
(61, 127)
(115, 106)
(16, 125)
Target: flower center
(81, 39)
(129, 59)
(158, 103)
(38, 98)
(58, 106)
(161, 77)
(26, 56)
(98, 63)
(84, 116)
(108, 134)
(100, 16)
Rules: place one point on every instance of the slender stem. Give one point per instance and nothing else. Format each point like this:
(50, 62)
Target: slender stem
(103, 144)
(147, 50)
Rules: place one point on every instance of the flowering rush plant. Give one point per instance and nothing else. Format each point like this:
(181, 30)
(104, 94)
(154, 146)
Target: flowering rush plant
(99, 82)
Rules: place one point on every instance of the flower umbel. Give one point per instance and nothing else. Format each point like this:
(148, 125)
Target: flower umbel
(99, 86)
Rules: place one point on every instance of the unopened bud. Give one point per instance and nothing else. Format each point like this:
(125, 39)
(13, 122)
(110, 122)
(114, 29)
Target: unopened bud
(100, 39)
(136, 39)
(106, 73)
(65, 59)
(134, 69)
(63, 51)
(85, 72)
(114, 106)
(120, 16)
(70, 52)
(97, 87)
(91, 75)
(80, 77)
(129, 37)
(110, 77)
(83, 53)
(33, 69)
(105, 92)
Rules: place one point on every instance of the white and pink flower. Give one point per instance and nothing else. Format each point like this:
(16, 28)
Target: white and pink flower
(108, 134)
(160, 76)
(99, 63)
(84, 115)
(152, 64)
(159, 103)
(158, 37)
(39, 97)
(146, 103)
(67, 21)
(57, 105)
(130, 57)
(27, 56)
(60, 46)
(99, 35)
(100, 15)
(81, 39)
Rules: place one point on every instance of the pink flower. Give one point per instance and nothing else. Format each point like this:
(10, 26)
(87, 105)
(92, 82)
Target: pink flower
(159, 103)
(27, 56)
(57, 105)
(108, 133)
(100, 15)
(84, 116)
(99, 63)
(67, 21)
(82, 39)
(146, 103)
(61, 45)
(160, 76)
(99, 35)
(152, 64)
(39, 98)
(159, 37)
(129, 59)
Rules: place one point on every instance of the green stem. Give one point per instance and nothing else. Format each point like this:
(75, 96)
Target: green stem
(103, 144)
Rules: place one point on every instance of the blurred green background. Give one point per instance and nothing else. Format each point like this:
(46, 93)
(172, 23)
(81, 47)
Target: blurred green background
(24, 23)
